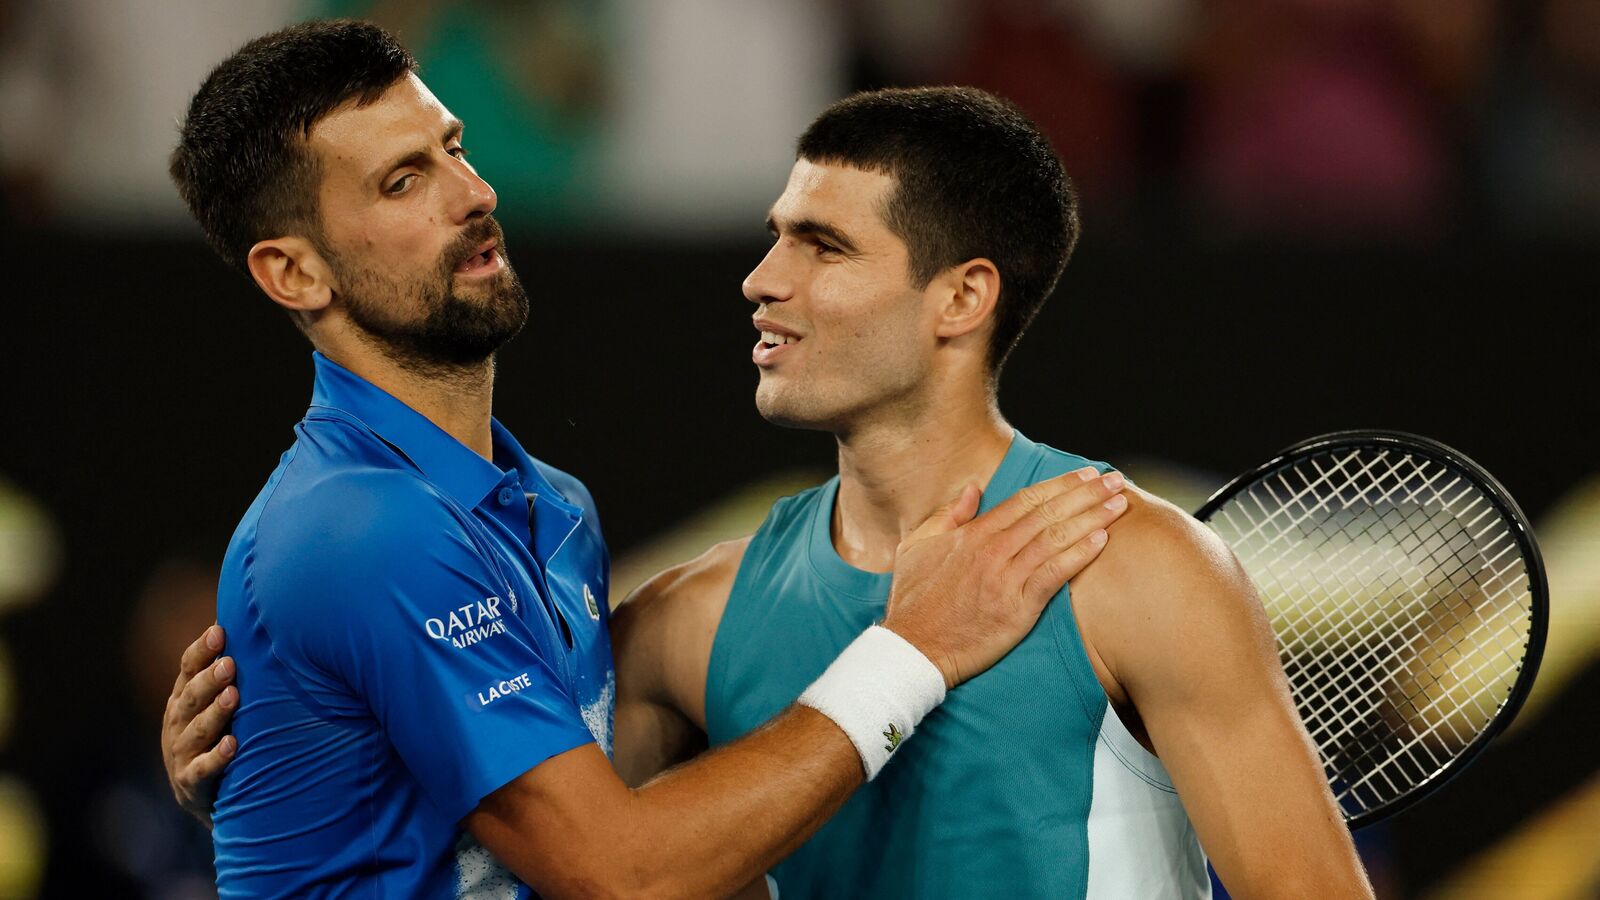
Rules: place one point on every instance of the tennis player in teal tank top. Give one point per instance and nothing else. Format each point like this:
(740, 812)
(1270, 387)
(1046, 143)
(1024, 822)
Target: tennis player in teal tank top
(919, 232)
(1023, 784)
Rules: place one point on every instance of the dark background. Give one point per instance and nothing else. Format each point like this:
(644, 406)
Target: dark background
(149, 390)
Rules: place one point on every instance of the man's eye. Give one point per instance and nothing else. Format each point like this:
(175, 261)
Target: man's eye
(401, 184)
(459, 152)
(826, 248)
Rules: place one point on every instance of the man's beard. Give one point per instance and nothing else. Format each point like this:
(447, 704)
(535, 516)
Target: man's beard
(452, 331)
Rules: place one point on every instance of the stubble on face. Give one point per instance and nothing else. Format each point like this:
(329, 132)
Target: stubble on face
(422, 323)
(853, 387)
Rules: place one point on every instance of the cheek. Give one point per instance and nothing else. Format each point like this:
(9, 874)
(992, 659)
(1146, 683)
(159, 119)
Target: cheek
(877, 343)
(403, 241)
(846, 310)
(876, 310)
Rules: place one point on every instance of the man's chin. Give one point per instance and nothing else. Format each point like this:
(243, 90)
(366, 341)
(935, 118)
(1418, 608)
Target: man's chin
(789, 415)
(448, 348)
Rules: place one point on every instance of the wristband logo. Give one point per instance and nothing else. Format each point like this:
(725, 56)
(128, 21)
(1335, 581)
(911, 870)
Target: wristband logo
(894, 736)
(469, 624)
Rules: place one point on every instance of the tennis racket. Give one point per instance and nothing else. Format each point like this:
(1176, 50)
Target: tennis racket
(1408, 599)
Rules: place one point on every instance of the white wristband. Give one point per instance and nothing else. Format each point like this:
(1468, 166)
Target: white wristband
(877, 691)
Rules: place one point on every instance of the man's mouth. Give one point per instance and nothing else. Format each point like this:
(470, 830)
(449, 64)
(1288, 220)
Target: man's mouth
(481, 261)
(772, 346)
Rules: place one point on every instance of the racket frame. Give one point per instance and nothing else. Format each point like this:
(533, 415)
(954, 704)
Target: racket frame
(1538, 585)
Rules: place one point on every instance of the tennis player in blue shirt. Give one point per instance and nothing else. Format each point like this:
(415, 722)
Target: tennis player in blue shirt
(417, 608)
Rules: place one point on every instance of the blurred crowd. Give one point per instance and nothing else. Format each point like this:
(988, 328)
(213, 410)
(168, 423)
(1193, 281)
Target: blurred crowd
(1317, 119)
(1306, 120)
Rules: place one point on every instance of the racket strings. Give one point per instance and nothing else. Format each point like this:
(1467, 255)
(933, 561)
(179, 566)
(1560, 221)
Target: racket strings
(1429, 612)
(1417, 743)
(1401, 606)
(1354, 581)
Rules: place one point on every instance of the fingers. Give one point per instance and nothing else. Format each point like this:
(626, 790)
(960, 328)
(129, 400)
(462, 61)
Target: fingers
(208, 727)
(200, 654)
(966, 505)
(1083, 531)
(950, 516)
(202, 702)
(1048, 578)
(209, 765)
(1016, 507)
(1051, 518)
(201, 690)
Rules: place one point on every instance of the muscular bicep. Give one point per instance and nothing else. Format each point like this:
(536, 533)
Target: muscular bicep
(662, 636)
(1192, 648)
(1219, 715)
(653, 731)
(651, 737)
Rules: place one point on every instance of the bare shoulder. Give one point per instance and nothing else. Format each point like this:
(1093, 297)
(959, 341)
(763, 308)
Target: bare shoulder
(692, 589)
(1156, 546)
(662, 633)
(1165, 588)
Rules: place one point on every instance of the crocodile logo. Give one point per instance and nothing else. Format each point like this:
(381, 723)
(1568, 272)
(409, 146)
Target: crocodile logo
(895, 737)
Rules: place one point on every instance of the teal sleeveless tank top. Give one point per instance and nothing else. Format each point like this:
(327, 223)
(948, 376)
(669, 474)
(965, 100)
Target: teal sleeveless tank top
(1022, 784)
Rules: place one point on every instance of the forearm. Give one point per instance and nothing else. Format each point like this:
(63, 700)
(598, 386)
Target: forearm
(705, 828)
(1326, 870)
(1291, 849)
(726, 817)
(1261, 807)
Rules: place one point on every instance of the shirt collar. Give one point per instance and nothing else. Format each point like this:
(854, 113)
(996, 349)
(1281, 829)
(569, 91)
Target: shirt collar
(446, 462)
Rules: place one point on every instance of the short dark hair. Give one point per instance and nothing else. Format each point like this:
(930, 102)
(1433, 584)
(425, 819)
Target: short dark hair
(242, 164)
(975, 178)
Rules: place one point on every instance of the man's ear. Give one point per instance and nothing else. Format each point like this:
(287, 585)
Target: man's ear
(292, 274)
(971, 290)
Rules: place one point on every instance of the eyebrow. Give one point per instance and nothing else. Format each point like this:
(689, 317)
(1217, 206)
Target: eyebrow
(452, 130)
(813, 228)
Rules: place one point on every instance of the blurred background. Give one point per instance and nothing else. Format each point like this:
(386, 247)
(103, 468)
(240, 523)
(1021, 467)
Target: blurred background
(1300, 216)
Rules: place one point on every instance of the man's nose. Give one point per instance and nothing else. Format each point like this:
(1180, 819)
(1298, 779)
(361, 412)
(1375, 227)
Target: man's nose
(472, 197)
(767, 283)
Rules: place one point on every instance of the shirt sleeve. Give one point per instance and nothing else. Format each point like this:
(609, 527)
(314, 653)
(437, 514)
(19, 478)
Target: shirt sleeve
(382, 596)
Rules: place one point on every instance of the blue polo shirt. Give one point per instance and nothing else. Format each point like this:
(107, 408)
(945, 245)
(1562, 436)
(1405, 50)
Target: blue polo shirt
(415, 626)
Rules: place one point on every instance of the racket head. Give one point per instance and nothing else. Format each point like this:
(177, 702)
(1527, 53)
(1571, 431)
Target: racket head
(1389, 471)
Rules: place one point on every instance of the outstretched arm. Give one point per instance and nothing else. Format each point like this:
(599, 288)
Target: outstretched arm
(962, 597)
(661, 637)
